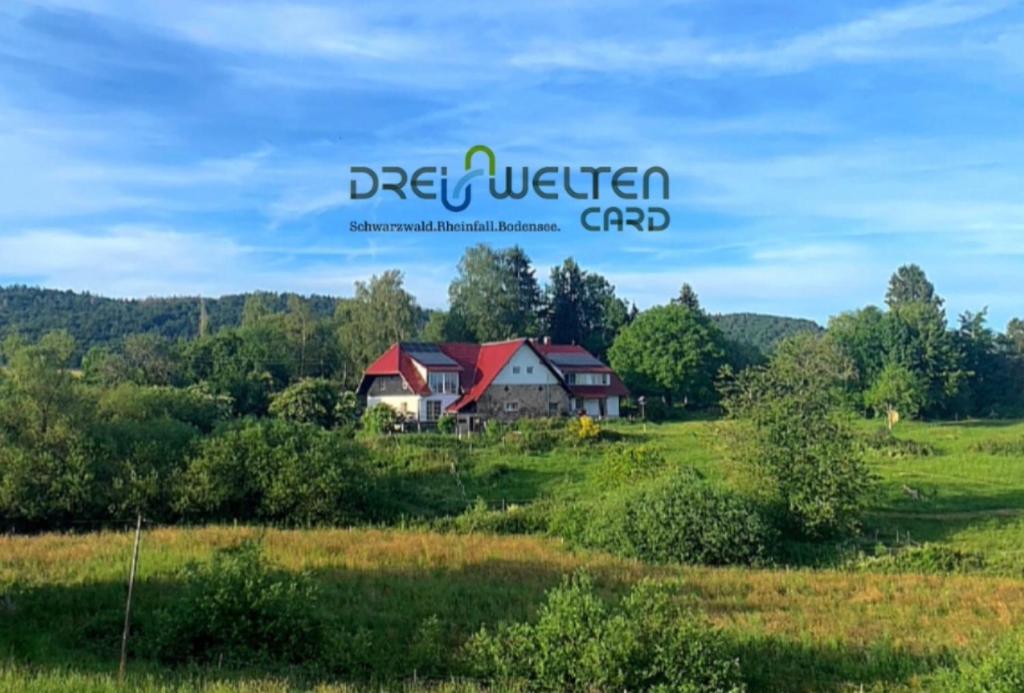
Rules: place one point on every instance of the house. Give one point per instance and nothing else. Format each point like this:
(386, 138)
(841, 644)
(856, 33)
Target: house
(497, 380)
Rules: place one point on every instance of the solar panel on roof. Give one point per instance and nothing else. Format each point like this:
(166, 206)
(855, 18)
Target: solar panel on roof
(574, 360)
(428, 354)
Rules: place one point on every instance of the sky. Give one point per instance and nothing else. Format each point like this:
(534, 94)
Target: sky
(183, 147)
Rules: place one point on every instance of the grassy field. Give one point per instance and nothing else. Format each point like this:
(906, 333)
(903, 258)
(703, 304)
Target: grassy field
(405, 600)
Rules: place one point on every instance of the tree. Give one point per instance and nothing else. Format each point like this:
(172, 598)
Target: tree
(40, 390)
(1015, 334)
(688, 298)
(797, 436)
(910, 285)
(312, 400)
(258, 307)
(896, 393)
(381, 313)
(919, 340)
(150, 360)
(863, 335)
(102, 366)
(495, 295)
(246, 365)
(445, 327)
(582, 308)
(670, 351)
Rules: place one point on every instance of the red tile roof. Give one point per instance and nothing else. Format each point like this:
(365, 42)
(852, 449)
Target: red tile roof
(552, 352)
(395, 362)
(483, 362)
(480, 364)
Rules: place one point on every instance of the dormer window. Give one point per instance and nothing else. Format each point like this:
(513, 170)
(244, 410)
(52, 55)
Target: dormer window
(443, 382)
(588, 378)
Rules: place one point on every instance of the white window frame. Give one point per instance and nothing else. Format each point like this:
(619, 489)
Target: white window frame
(449, 384)
(512, 407)
(432, 403)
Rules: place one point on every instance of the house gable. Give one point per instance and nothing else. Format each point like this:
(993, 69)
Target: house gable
(526, 367)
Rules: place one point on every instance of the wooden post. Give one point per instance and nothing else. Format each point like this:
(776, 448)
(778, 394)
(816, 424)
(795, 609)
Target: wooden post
(128, 602)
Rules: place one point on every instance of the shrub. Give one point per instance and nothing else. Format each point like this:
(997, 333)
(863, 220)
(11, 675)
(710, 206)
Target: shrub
(583, 429)
(798, 436)
(513, 519)
(688, 521)
(928, 558)
(310, 400)
(895, 448)
(270, 470)
(679, 519)
(379, 419)
(194, 405)
(627, 464)
(580, 642)
(237, 610)
(446, 424)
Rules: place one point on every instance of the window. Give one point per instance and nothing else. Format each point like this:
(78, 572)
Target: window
(443, 383)
(511, 407)
(588, 378)
(529, 369)
(433, 409)
(552, 408)
(515, 370)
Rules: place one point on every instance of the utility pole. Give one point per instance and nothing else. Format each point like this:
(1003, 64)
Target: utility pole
(128, 602)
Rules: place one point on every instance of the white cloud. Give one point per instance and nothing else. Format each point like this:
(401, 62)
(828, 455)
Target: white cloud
(134, 261)
(882, 35)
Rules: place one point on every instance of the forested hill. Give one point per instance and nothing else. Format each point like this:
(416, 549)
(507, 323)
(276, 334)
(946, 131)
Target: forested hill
(762, 331)
(94, 320)
(97, 321)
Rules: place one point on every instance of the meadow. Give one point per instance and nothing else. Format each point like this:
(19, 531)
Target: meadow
(403, 600)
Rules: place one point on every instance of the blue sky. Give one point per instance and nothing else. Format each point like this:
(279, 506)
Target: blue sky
(186, 147)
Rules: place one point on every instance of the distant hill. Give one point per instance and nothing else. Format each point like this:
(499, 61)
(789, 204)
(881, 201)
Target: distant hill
(97, 321)
(94, 320)
(762, 331)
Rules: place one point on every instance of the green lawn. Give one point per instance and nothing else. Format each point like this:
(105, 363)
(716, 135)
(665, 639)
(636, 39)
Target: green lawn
(962, 484)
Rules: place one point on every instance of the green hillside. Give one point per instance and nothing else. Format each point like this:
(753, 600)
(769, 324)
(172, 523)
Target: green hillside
(95, 320)
(762, 331)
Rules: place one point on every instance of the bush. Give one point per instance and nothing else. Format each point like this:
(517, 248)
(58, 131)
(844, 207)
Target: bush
(628, 464)
(238, 611)
(580, 642)
(583, 429)
(688, 521)
(446, 424)
(379, 419)
(797, 435)
(680, 519)
(194, 405)
(895, 448)
(311, 400)
(276, 471)
(514, 519)
(929, 558)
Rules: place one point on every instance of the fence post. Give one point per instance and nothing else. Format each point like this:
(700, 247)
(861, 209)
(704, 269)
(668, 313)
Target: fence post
(128, 601)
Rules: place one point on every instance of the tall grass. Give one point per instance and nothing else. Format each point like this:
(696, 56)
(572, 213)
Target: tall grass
(381, 589)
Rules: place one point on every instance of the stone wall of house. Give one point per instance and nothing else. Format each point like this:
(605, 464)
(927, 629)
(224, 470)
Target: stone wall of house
(534, 401)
